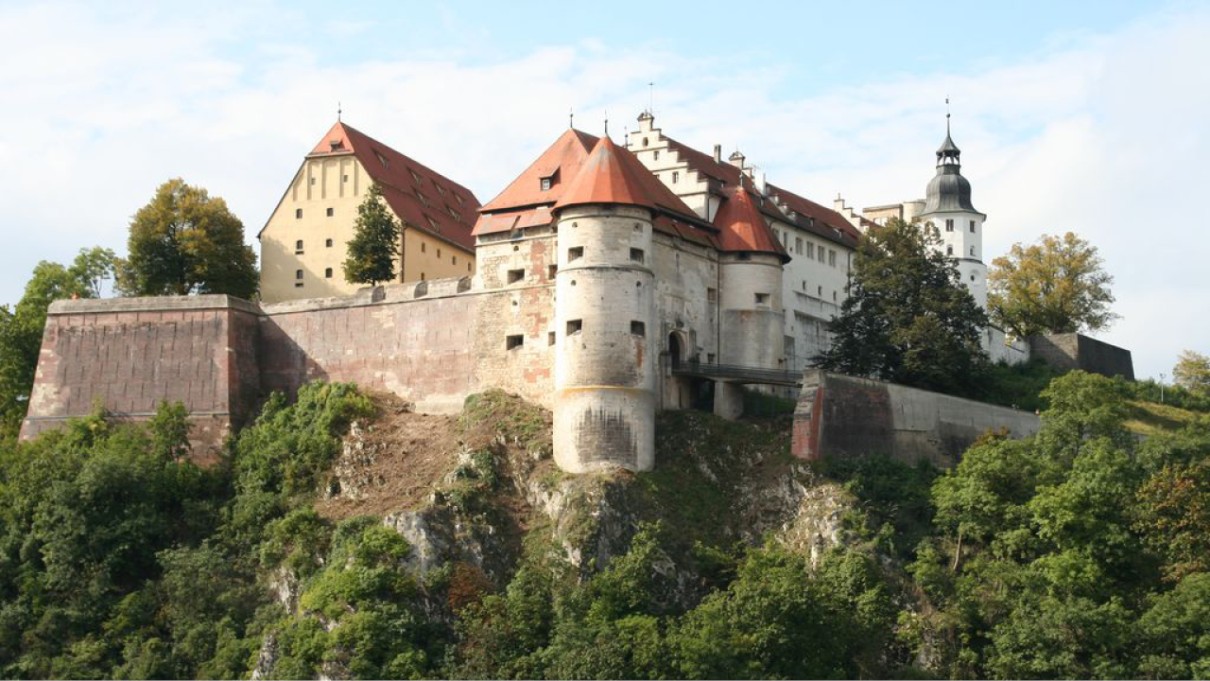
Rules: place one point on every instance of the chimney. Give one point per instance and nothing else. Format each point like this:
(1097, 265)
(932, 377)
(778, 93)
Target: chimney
(718, 153)
(838, 204)
(736, 159)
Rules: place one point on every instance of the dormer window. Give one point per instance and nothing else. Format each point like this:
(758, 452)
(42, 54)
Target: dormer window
(381, 159)
(546, 183)
(549, 181)
(335, 144)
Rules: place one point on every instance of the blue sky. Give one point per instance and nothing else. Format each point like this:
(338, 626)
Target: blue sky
(1082, 116)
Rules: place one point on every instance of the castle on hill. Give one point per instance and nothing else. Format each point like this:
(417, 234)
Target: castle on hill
(606, 282)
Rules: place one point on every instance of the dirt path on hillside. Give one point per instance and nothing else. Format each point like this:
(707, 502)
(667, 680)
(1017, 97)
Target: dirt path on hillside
(392, 462)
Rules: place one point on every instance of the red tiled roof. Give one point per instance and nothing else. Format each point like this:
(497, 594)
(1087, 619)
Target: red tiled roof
(421, 197)
(741, 226)
(560, 162)
(817, 219)
(611, 174)
(824, 222)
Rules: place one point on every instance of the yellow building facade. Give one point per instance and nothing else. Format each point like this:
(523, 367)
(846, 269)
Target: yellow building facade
(304, 242)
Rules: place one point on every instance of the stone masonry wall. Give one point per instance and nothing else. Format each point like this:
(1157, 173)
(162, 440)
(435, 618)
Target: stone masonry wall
(129, 355)
(1068, 351)
(412, 339)
(843, 416)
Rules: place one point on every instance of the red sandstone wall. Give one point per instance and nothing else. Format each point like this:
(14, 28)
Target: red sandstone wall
(419, 349)
(129, 355)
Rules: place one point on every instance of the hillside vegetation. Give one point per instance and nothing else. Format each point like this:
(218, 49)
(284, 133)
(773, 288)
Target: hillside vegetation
(346, 537)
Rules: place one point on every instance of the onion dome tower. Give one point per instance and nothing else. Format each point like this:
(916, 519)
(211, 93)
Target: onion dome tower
(948, 208)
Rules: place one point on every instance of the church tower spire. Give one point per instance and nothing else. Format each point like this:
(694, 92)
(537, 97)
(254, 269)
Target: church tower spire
(948, 209)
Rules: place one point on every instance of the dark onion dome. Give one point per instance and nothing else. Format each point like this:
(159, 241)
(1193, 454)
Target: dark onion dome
(948, 190)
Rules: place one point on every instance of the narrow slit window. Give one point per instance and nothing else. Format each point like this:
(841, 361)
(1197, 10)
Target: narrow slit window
(550, 338)
(513, 342)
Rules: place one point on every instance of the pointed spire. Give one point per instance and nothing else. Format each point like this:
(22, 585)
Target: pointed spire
(571, 117)
(949, 153)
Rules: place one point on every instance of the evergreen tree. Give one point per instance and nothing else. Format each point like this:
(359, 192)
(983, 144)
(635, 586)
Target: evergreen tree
(907, 319)
(185, 242)
(375, 243)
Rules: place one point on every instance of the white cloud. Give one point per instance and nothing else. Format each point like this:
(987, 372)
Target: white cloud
(1104, 136)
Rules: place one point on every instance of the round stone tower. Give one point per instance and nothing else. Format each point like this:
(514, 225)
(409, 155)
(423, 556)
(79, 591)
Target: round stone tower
(948, 209)
(605, 371)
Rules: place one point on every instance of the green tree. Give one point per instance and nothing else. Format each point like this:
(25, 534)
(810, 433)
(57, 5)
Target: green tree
(186, 242)
(1054, 286)
(375, 243)
(21, 328)
(908, 319)
(1192, 372)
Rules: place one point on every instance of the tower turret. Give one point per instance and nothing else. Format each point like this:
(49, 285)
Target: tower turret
(948, 208)
(605, 382)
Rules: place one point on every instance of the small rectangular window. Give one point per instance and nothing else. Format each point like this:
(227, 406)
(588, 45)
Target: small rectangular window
(330, 211)
(798, 245)
(550, 338)
(513, 342)
(638, 328)
(574, 326)
(949, 224)
(328, 243)
(297, 213)
(298, 247)
(298, 284)
(810, 250)
(636, 255)
(657, 155)
(676, 176)
(762, 299)
(453, 260)
(832, 257)
(344, 178)
(551, 271)
(423, 247)
(327, 273)
(712, 295)
(545, 184)
(972, 226)
(438, 252)
(575, 253)
(515, 276)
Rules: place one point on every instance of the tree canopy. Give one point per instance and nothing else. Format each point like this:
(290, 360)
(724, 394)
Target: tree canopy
(907, 319)
(21, 327)
(1054, 286)
(1192, 372)
(185, 242)
(375, 243)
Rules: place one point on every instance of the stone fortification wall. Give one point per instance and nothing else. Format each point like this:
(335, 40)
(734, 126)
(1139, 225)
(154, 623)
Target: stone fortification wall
(128, 355)
(1076, 351)
(432, 343)
(411, 339)
(843, 416)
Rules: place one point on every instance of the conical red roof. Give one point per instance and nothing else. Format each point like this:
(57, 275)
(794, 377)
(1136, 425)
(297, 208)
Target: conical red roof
(612, 174)
(742, 228)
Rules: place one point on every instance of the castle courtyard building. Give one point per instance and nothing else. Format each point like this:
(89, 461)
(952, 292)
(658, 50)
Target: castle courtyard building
(304, 242)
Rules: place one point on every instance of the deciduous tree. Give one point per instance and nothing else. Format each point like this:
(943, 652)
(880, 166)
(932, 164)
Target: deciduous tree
(375, 243)
(1192, 372)
(908, 319)
(1054, 286)
(21, 327)
(185, 242)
